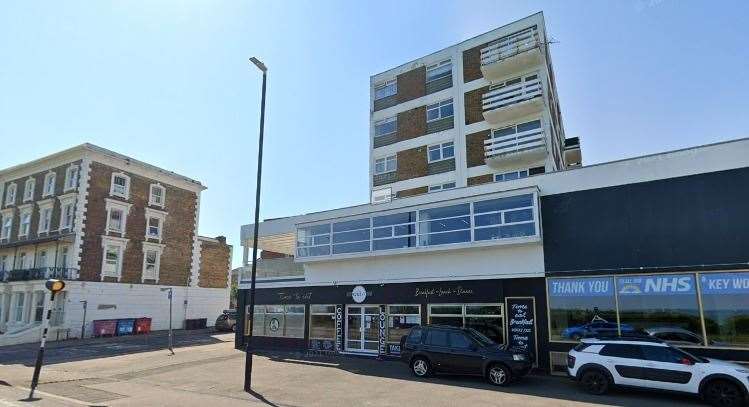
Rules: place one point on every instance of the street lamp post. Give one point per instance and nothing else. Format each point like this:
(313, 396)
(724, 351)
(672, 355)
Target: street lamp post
(83, 325)
(171, 349)
(249, 348)
(54, 286)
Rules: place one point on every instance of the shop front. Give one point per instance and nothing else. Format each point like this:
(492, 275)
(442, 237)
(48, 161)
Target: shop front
(370, 319)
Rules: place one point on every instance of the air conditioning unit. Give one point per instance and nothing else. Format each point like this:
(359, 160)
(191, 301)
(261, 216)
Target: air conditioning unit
(382, 195)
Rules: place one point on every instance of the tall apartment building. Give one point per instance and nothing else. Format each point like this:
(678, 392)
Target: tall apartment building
(480, 111)
(116, 230)
(517, 240)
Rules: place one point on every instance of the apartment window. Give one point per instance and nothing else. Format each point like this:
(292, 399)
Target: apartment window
(157, 195)
(71, 177)
(394, 231)
(10, 194)
(351, 236)
(114, 249)
(21, 261)
(3, 264)
(25, 224)
(438, 152)
(439, 70)
(445, 225)
(385, 89)
(151, 261)
(49, 184)
(313, 240)
(41, 259)
(28, 190)
(68, 211)
(386, 164)
(63, 261)
(120, 185)
(18, 306)
(38, 306)
(386, 126)
(115, 223)
(522, 131)
(511, 175)
(7, 225)
(441, 187)
(155, 223)
(440, 110)
(45, 218)
(154, 228)
(504, 218)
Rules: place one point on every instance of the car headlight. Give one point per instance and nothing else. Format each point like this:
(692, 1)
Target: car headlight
(518, 357)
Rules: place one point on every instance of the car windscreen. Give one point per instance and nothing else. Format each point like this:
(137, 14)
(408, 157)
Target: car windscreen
(481, 338)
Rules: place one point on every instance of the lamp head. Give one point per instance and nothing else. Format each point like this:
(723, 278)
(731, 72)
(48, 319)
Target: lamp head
(55, 285)
(259, 64)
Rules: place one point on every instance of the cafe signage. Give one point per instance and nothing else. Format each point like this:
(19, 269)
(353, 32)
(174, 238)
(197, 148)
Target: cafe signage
(521, 324)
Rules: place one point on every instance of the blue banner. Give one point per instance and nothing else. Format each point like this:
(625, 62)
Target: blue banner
(664, 284)
(724, 283)
(581, 287)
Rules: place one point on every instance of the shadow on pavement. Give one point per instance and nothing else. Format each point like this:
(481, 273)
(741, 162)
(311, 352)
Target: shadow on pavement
(539, 385)
(94, 348)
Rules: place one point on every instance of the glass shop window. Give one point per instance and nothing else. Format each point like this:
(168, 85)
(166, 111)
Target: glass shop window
(278, 321)
(400, 319)
(580, 307)
(322, 322)
(725, 305)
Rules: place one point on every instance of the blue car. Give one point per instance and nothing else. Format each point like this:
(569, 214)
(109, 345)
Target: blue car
(595, 328)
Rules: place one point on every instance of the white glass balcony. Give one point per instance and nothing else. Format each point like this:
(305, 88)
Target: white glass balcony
(515, 145)
(513, 53)
(513, 99)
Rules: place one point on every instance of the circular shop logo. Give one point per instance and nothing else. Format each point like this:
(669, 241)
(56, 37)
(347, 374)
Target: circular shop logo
(274, 324)
(359, 294)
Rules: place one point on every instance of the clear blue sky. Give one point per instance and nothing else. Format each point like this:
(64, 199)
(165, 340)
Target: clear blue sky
(168, 83)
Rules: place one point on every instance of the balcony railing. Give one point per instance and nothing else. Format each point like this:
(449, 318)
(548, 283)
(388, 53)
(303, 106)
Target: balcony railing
(531, 143)
(509, 95)
(39, 273)
(510, 46)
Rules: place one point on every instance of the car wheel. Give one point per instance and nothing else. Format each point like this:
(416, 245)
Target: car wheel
(595, 381)
(722, 393)
(420, 367)
(498, 375)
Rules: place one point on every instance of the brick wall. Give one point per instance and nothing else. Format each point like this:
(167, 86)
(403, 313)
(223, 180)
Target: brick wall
(481, 179)
(411, 192)
(472, 63)
(214, 263)
(177, 235)
(412, 163)
(475, 155)
(412, 84)
(267, 254)
(38, 190)
(412, 123)
(472, 100)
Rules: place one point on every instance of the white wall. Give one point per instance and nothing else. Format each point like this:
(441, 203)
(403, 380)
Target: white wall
(138, 300)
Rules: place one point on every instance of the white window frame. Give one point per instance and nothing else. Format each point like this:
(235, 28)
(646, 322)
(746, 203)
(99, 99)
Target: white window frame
(24, 228)
(42, 258)
(28, 190)
(385, 160)
(151, 197)
(3, 266)
(66, 219)
(438, 66)
(441, 148)
(155, 214)
(10, 194)
(439, 109)
(114, 205)
(46, 206)
(72, 174)
(521, 173)
(6, 223)
(152, 247)
(385, 84)
(48, 189)
(118, 244)
(122, 194)
(384, 121)
(442, 187)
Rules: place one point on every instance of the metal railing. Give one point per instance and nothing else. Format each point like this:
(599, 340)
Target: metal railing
(512, 94)
(39, 273)
(514, 143)
(510, 46)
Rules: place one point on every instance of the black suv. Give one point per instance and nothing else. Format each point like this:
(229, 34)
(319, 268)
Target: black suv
(462, 351)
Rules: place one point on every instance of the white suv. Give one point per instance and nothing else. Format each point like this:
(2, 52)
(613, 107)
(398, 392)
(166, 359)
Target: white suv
(649, 363)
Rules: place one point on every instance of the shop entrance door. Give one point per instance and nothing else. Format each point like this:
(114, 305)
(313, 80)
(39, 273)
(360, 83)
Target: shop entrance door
(362, 328)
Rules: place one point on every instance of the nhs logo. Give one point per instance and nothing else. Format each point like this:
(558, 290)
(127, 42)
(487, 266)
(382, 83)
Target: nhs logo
(655, 285)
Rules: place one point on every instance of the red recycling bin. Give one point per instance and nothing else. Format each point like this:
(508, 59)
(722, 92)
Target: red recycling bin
(142, 326)
(105, 327)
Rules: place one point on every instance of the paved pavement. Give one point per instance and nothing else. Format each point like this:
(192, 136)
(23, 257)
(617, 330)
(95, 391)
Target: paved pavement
(206, 370)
